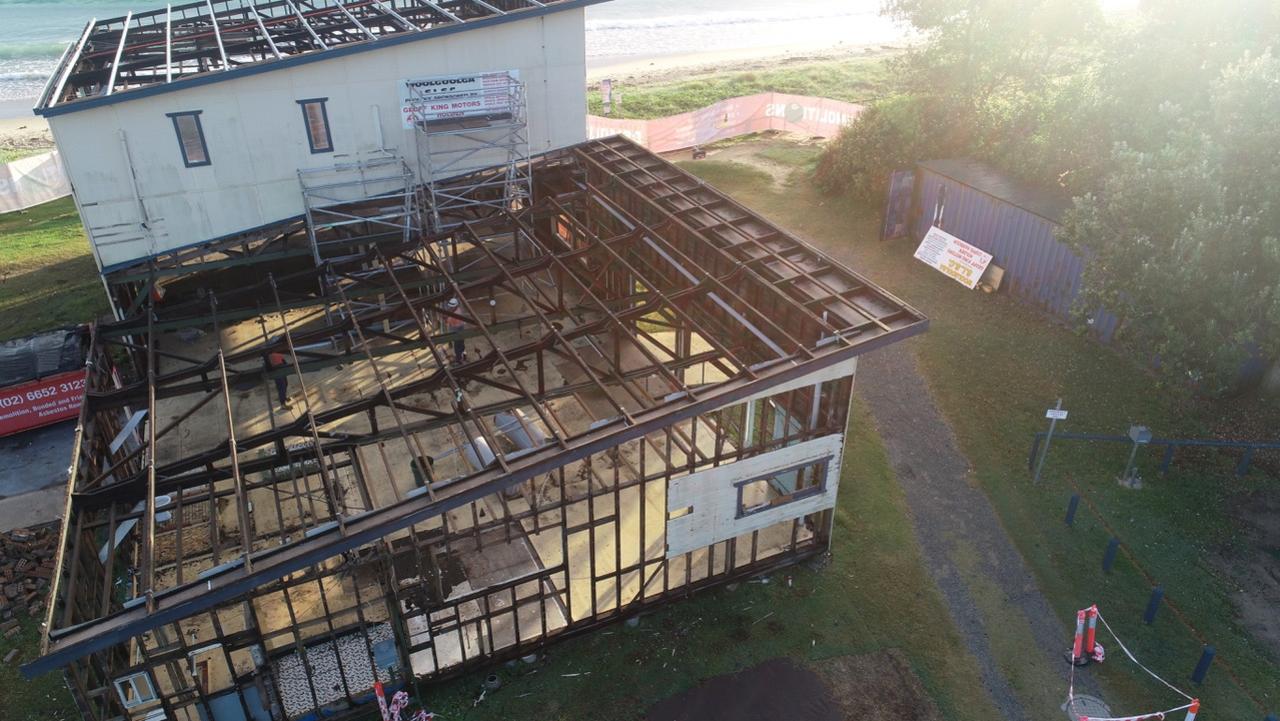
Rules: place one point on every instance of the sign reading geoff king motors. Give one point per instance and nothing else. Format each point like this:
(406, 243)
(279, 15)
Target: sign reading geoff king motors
(41, 402)
(450, 97)
(953, 257)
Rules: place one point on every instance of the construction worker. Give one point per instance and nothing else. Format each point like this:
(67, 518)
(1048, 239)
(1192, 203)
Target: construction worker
(275, 361)
(454, 324)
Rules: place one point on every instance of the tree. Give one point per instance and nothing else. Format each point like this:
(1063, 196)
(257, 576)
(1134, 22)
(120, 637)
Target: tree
(1184, 240)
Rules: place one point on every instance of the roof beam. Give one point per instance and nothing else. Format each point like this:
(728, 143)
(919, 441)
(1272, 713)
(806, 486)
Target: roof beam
(263, 28)
(168, 43)
(306, 24)
(68, 63)
(217, 34)
(115, 64)
(489, 7)
(353, 19)
(442, 11)
(390, 11)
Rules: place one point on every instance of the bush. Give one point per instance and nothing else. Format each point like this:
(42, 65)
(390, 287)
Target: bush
(891, 135)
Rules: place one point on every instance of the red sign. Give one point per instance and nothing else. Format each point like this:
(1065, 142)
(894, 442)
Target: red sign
(39, 403)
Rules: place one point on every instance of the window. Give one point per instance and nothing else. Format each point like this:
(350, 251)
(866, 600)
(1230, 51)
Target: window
(195, 152)
(781, 488)
(315, 118)
(135, 689)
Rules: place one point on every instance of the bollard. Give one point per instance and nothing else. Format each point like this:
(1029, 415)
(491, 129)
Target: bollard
(1072, 505)
(1242, 467)
(1157, 594)
(1109, 558)
(1202, 668)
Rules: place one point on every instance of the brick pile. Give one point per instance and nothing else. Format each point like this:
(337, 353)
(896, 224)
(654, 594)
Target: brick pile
(27, 557)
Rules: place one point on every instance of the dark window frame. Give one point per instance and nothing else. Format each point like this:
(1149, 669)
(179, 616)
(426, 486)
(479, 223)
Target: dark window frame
(819, 488)
(182, 147)
(306, 124)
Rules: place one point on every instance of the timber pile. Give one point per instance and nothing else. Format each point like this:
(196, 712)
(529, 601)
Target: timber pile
(27, 557)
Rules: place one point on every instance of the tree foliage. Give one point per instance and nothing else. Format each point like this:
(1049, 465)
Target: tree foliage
(1163, 126)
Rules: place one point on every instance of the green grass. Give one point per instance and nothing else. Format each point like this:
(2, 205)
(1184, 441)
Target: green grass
(851, 80)
(874, 594)
(44, 699)
(47, 274)
(994, 365)
(8, 155)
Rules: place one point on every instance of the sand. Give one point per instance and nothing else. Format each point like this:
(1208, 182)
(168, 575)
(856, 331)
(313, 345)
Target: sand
(20, 129)
(660, 68)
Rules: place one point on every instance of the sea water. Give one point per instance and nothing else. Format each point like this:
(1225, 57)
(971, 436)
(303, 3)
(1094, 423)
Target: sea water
(33, 33)
(646, 28)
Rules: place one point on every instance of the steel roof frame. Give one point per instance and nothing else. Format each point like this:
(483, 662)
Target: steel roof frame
(691, 275)
(210, 40)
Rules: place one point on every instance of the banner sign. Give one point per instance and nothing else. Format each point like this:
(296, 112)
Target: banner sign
(953, 257)
(449, 97)
(31, 181)
(41, 402)
(802, 115)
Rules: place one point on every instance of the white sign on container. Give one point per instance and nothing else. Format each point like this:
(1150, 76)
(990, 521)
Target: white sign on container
(449, 97)
(953, 257)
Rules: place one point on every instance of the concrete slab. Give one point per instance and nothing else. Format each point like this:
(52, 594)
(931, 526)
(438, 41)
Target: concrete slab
(32, 509)
(36, 459)
(33, 475)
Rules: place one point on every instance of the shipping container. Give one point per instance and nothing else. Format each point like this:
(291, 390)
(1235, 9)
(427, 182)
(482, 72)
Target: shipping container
(1015, 222)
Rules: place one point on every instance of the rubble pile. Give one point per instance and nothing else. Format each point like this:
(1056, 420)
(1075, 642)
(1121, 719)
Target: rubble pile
(27, 557)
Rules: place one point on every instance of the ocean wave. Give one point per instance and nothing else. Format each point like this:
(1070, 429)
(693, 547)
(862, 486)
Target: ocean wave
(31, 51)
(12, 77)
(721, 18)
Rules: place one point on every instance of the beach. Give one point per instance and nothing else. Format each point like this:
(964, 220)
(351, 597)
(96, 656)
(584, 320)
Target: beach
(682, 66)
(21, 131)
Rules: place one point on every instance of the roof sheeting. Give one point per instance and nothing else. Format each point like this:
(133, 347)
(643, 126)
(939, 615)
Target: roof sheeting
(182, 45)
(1048, 203)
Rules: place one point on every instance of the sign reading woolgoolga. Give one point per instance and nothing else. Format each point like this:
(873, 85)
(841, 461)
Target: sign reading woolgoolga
(452, 97)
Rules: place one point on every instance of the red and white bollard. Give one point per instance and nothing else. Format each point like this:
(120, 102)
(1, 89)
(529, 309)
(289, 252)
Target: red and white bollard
(1195, 709)
(1085, 648)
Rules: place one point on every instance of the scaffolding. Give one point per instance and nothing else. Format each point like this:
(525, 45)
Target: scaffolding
(475, 164)
(354, 205)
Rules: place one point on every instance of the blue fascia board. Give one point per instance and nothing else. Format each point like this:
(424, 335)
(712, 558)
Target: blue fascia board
(267, 66)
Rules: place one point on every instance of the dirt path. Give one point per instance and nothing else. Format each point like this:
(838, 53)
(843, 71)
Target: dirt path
(983, 578)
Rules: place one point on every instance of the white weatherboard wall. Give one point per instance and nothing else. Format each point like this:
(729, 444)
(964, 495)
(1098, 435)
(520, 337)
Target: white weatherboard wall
(712, 495)
(257, 143)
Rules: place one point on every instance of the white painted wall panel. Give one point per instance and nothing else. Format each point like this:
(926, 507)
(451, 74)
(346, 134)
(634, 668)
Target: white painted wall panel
(840, 370)
(254, 130)
(713, 496)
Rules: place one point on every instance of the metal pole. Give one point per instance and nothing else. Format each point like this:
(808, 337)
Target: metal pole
(1128, 468)
(1053, 422)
